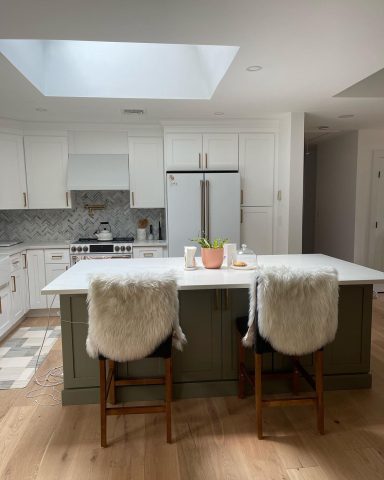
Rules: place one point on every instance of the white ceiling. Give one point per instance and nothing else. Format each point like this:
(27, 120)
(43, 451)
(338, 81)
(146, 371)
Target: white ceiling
(310, 51)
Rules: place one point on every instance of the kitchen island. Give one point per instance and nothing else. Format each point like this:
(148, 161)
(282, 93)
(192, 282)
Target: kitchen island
(210, 301)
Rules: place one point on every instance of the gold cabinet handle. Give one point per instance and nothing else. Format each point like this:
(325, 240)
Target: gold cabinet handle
(133, 199)
(148, 254)
(67, 198)
(199, 160)
(14, 283)
(241, 215)
(56, 257)
(241, 196)
(25, 198)
(1, 308)
(206, 160)
(24, 255)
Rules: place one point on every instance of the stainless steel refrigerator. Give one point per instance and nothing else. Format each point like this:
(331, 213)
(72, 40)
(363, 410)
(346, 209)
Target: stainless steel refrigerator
(202, 204)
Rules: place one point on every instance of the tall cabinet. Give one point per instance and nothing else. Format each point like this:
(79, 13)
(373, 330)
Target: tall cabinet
(257, 166)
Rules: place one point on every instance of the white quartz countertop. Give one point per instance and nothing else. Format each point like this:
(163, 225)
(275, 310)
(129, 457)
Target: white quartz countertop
(20, 247)
(76, 279)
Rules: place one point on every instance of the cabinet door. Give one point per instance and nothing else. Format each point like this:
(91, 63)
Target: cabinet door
(5, 310)
(13, 187)
(256, 229)
(256, 163)
(36, 278)
(200, 319)
(147, 252)
(183, 151)
(146, 172)
(17, 295)
(221, 151)
(46, 160)
(52, 271)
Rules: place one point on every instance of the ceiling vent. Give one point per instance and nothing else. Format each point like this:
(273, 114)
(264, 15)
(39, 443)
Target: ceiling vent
(133, 111)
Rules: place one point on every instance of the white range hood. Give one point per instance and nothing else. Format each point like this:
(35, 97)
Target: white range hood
(98, 172)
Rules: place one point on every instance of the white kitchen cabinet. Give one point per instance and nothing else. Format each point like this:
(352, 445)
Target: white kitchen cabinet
(183, 151)
(52, 271)
(13, 186)
(256, 165)
(36, 278)
(148, 252)
(146, 172)
(220, 151)
(17, 295)
(256, 229)
(5, 310)
(46, 160)
(25, 281)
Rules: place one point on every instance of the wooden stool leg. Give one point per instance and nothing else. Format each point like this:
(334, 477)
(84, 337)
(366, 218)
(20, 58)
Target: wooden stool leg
(319, 359)
(112, 390)
(295, 377)
(168, 397)
(103, 404)
(258, 394)
(240, 366)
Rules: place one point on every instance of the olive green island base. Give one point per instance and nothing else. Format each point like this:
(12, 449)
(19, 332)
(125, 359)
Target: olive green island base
(208, 364)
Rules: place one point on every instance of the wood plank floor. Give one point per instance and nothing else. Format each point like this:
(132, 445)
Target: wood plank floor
(213, 438)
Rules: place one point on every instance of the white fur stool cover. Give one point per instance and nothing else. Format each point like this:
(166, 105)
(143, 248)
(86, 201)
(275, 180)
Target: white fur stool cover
(130, 316)
(297, 309)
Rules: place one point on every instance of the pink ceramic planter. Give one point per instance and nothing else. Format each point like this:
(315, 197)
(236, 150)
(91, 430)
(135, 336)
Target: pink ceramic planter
(212, 257)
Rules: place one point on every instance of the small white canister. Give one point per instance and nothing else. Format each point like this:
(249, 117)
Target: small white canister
(141, 234)
(189, 258)
(229, 254)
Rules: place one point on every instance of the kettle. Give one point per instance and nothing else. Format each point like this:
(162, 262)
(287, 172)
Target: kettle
(104, 232)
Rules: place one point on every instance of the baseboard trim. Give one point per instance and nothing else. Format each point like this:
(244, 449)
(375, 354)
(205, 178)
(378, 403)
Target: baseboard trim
(43, 312)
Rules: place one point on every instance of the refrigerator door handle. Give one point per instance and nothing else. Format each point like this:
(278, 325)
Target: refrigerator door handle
(202, 208)
(207, 209)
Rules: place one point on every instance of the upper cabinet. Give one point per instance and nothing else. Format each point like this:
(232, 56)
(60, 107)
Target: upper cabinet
(183, 151)
(206, 152)
(221, 151)
(256, 162)
(13, 188)
(46, 160)
(146, 172)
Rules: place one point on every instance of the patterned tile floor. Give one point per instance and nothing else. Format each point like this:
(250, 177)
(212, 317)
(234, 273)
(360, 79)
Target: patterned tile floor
(18, 355)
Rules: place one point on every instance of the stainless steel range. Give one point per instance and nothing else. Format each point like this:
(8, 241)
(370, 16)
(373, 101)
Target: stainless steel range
(91, 249)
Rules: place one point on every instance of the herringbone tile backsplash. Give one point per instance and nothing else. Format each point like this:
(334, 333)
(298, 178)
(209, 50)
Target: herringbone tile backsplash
(71, 224)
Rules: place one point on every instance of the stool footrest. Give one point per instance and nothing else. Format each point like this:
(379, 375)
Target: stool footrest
(292, 400)
(140, 381)
(132, 410)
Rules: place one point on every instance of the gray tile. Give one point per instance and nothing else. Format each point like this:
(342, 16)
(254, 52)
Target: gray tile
(14, 342)
(22, 352)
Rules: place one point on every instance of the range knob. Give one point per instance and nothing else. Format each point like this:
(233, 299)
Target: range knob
(129, 248)
(79, 249)
(85, 249)
(73, 249)
(123, 248)
(117, 248)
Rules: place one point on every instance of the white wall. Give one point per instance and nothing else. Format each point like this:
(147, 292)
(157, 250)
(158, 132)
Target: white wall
(368, 141)
(336, 196)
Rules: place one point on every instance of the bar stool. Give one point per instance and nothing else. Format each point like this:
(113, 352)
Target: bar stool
(119, 330)
(307, 293)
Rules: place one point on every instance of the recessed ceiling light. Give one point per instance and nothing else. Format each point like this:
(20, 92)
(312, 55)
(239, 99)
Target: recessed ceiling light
(219, 113)
(254, 68)
(323, 127)
(41, 109)
(347, 115)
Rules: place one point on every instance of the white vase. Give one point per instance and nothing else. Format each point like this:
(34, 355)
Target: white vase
(141, 234)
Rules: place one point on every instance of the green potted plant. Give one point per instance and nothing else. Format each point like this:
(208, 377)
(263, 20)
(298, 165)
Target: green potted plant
(212, 253)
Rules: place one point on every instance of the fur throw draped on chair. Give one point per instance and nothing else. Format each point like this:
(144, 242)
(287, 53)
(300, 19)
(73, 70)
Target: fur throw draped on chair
(131, 315)
(295, 310)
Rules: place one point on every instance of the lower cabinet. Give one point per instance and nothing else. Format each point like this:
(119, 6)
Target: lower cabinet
(36, 277)
(5, 310)
(19, 287)
(52, 271)
(256, 229)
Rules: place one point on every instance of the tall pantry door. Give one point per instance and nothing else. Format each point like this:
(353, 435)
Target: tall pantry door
(223, 206)
(184, 199)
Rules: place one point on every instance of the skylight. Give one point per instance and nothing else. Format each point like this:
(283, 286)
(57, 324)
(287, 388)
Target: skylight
(66, 68)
